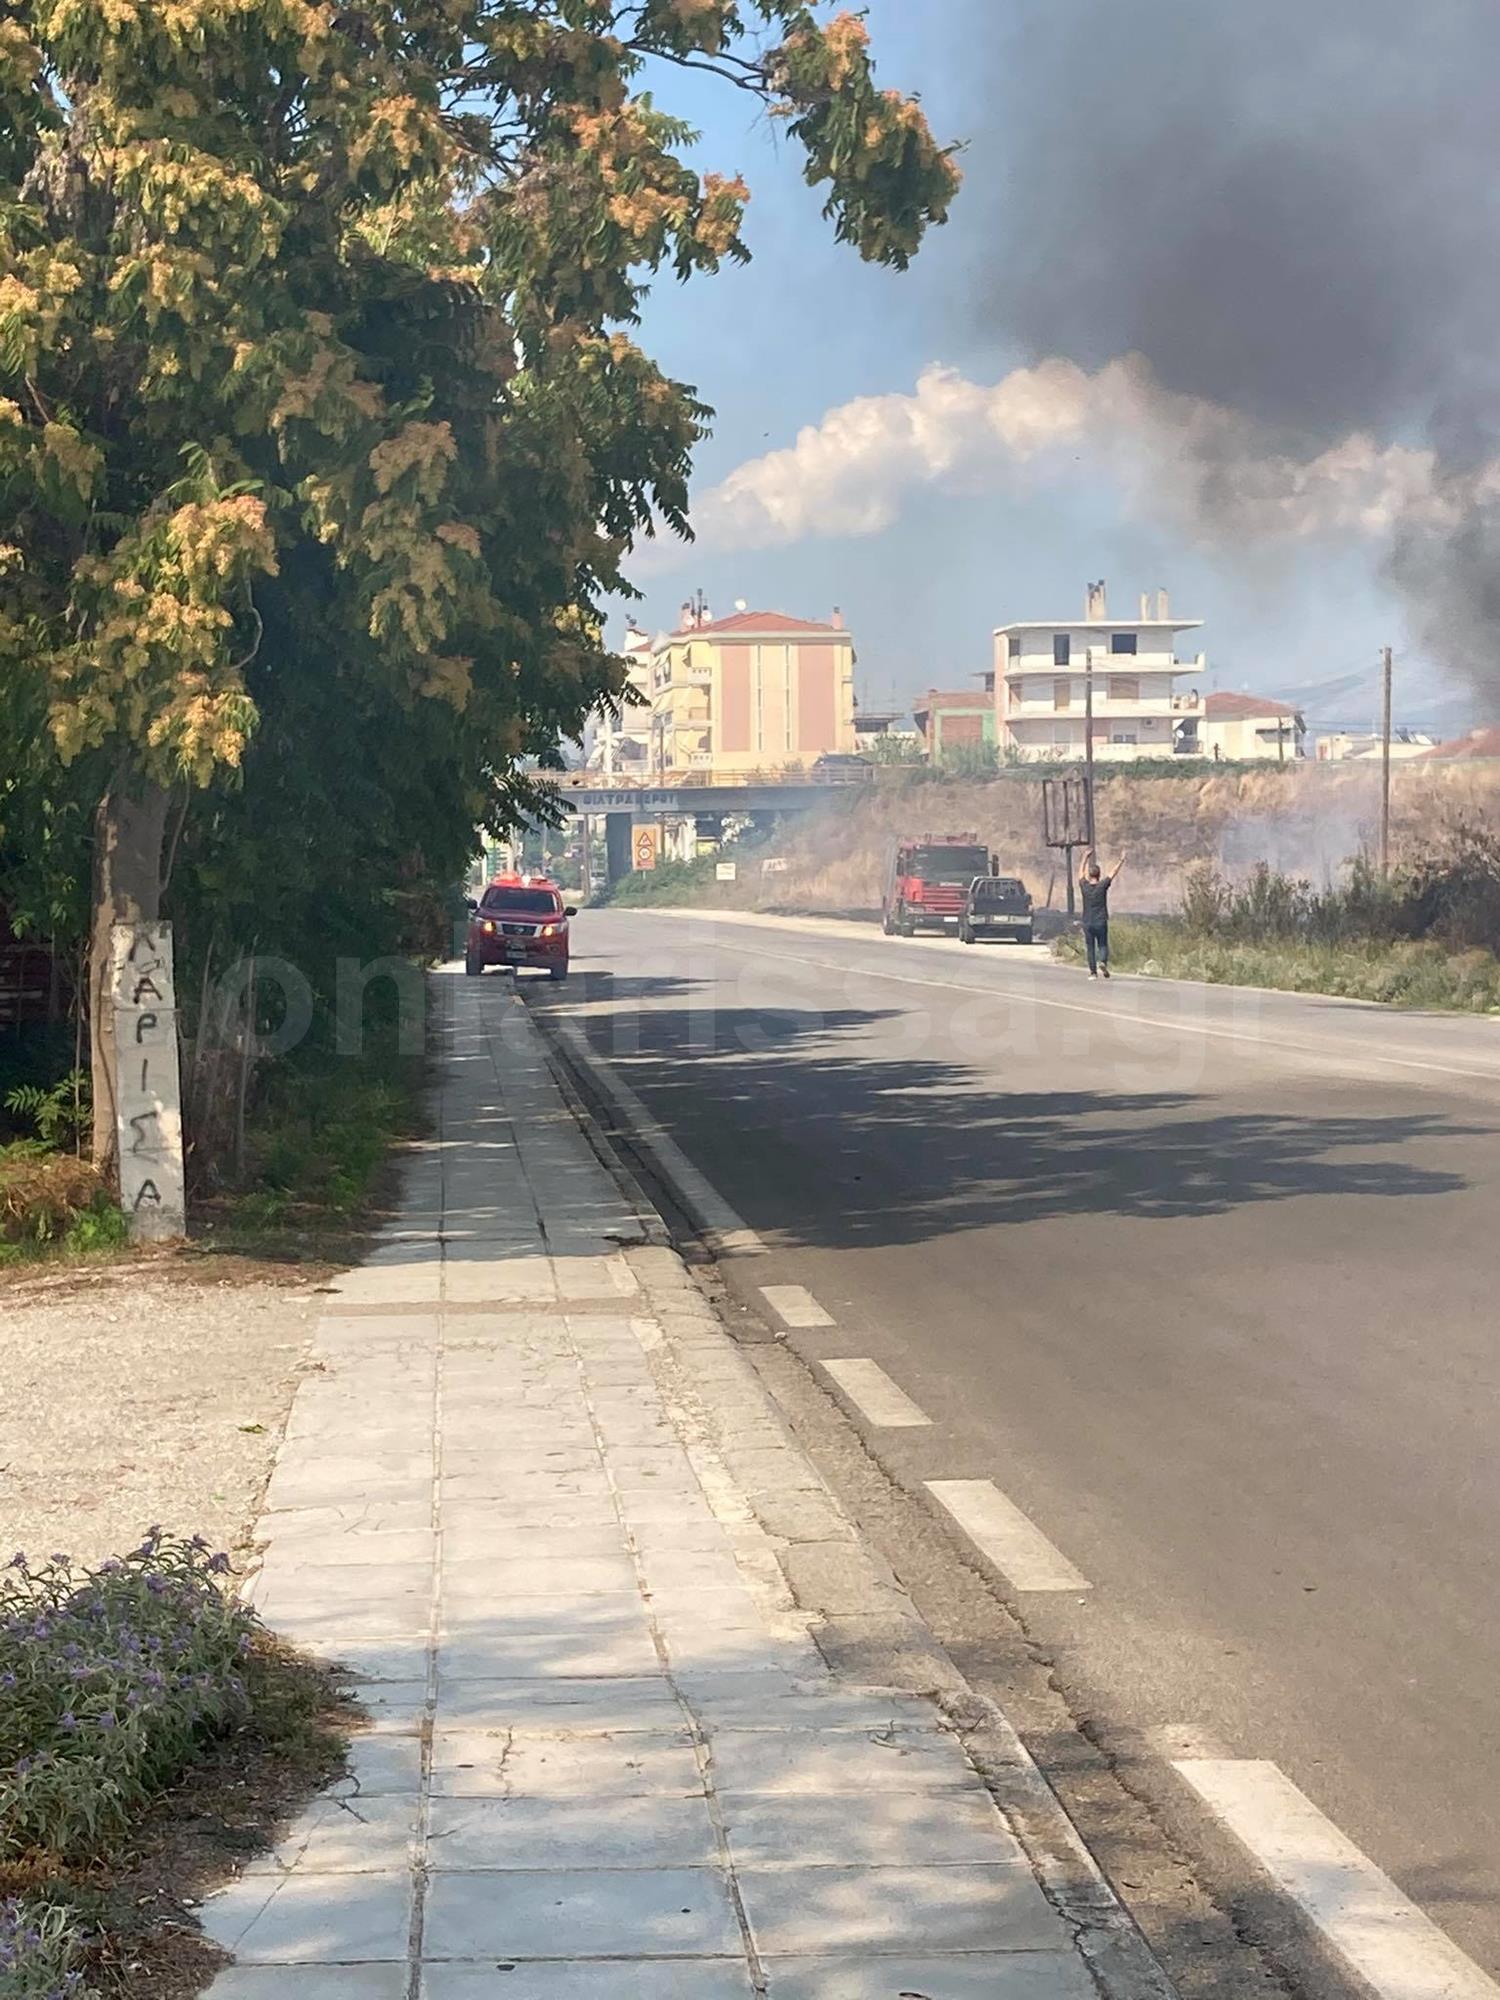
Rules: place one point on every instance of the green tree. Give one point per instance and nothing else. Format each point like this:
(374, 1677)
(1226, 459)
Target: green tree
(316, 389)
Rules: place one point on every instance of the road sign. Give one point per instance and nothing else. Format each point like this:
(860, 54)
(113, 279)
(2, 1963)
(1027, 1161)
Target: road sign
(726, 871)
(1064, 812)
(643, 848)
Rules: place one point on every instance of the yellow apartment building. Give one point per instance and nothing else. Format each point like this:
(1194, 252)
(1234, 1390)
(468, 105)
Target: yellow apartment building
(756, 692)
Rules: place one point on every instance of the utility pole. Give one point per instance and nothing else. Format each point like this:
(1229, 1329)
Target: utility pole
(1385, 761)
(1088, 745)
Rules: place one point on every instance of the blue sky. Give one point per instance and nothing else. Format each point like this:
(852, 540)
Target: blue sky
(806, 328)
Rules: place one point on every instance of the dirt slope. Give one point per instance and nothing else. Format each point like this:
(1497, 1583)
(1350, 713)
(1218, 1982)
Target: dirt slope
(1308, 821)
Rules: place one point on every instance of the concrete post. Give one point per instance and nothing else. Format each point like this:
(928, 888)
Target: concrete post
(148, 1092)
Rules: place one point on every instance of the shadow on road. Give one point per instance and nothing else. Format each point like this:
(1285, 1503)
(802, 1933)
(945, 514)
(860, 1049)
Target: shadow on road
(826, 1145)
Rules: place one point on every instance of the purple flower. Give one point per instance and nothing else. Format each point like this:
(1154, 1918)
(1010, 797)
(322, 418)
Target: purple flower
(106, 1719)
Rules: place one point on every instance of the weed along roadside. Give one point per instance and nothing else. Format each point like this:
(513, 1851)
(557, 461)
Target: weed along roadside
(151, 1733)
(1425, 937)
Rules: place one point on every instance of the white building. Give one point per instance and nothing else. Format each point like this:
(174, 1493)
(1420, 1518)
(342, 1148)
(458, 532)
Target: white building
(1043, 673)
(1347, 746)
(620, 748)
(1244, 728)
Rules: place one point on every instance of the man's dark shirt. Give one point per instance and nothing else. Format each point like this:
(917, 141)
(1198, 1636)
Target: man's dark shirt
(1095, 902)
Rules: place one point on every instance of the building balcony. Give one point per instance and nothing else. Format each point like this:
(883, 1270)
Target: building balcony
(1152, 707)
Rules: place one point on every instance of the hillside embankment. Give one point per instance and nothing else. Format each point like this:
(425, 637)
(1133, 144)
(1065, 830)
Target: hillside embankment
(1307, 821)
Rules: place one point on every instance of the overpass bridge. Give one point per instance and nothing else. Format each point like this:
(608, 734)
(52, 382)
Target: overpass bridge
(685, 804)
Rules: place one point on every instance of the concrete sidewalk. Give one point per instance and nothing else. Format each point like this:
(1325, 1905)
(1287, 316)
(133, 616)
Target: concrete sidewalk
(539, 1502)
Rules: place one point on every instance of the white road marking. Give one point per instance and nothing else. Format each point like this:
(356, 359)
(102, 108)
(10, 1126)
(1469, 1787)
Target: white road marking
(876, 1396)
(731, 1235)
(795, 1305)
(1382, 1934)
(998, 1529)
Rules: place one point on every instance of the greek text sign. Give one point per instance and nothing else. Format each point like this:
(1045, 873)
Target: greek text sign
(148, 1095)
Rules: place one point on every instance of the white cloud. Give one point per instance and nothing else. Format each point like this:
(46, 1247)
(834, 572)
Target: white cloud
(1196, 462)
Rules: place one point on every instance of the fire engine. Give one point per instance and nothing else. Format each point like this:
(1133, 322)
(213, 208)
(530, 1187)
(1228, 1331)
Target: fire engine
(927, 882)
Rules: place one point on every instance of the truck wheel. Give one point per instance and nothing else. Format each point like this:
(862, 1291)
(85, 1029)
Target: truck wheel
(472, 967)
(1025, 937)
(886, 925)
(966, 934)
(557, 972)
(905, 927)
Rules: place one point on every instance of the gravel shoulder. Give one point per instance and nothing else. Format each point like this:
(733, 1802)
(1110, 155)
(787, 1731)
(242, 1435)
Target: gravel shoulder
(144, 1392)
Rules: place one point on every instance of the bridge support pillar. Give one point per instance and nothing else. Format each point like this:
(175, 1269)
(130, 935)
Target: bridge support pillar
(618, 862)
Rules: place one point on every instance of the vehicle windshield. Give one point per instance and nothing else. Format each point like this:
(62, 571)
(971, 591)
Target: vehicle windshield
(948, 864)
(530, 902)
(1003, 891)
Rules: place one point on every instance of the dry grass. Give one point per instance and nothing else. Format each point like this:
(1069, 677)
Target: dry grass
(1307, 821)
(42, 1193)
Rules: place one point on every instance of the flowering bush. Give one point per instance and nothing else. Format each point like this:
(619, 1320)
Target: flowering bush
(40, 1949)
(111, 1683)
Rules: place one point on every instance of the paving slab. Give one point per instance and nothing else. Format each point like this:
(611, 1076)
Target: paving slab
(304, 1918)
(607, 1707)
(570, 1833)
(897, 1910)
(581, 1913)
(979, 1976)
(347, 1836)
(817, 1763)
(312, 1982)
(942, 1828)
(531, 1763)
(537, 1655)
(658, 1979)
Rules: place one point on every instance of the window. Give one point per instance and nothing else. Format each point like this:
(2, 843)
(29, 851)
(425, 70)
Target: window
(1062, 694)
(1124, 687)
(527, 902)
(1124, 736)
(1122, 642)
(1062, 649)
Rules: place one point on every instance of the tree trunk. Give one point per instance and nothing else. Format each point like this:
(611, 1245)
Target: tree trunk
(129, 836)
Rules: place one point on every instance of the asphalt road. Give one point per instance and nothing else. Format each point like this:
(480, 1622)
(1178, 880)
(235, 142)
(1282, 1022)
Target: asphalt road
(1205, 1281)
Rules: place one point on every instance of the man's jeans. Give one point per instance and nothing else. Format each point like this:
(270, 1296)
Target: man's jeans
(1096, 937)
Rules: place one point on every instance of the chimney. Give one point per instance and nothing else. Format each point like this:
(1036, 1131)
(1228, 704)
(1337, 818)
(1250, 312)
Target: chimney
(1096, 603)
(1145, 607)
(838, 619)
(1163, 606)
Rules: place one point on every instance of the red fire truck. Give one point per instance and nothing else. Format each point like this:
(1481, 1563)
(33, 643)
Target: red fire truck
(927, 882)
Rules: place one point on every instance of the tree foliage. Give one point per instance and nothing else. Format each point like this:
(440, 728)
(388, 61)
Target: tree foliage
(323, 433)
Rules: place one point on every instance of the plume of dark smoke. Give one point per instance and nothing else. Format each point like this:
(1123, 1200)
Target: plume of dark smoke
(1288, 207)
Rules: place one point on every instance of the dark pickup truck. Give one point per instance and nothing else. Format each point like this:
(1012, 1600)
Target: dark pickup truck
(998, 910)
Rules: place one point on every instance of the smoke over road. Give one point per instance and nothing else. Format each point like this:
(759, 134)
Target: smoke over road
(1290, 212)
(1211, 468)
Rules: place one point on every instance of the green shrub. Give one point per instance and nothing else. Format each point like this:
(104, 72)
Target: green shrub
(41, 1952)
(61, 1111)
(112, 1682)
(969, 760)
